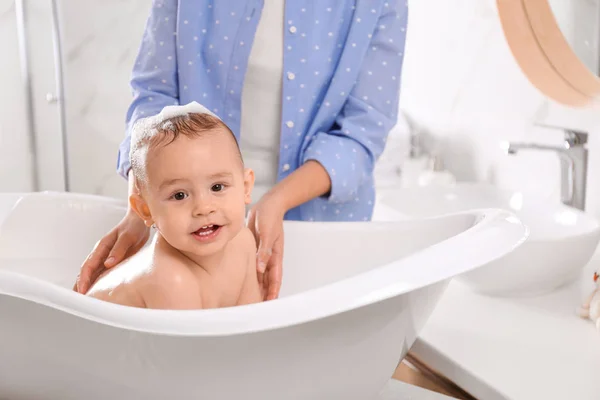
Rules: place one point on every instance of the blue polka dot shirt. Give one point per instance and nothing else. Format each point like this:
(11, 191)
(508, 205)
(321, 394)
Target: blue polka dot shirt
(342, 66)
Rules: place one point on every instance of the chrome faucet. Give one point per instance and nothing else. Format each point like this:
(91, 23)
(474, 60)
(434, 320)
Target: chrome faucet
(573, 155)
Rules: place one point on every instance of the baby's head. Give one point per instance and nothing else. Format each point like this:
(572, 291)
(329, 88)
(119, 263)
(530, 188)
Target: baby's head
(191, 180)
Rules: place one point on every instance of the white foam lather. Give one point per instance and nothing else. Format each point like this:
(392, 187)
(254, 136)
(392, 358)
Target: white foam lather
(147, 127)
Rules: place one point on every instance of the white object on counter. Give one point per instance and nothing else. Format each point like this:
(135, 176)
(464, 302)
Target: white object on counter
(412, 169)
(435, 174)
(497, 348)
(439, 178)
(425, 170)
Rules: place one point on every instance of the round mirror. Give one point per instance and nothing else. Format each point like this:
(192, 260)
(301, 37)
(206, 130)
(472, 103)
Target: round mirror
(578, 21)
(557, 45)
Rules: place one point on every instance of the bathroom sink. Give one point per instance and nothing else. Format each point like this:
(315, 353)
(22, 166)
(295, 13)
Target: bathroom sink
(561, 240)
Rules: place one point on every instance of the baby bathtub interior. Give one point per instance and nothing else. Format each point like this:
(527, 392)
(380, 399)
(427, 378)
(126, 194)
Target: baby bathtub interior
(328, 267)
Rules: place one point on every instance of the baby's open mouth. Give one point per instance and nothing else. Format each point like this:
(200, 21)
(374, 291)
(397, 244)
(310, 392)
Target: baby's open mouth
(207, 232)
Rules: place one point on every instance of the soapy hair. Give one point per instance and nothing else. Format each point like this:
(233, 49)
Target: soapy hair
(151, 135)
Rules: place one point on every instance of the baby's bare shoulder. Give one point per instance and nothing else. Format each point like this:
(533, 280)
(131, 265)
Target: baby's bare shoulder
(245, 240)
(246, 247)
(171, 285)
(153, 280)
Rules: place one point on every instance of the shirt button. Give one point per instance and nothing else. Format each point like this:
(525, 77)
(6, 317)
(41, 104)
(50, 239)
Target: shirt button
(291, 76)
(292, 29)
(286, 167)
(290, 124)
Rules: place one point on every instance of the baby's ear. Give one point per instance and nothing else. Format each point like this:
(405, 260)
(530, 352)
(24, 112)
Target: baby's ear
(140, 207)
(248, 185)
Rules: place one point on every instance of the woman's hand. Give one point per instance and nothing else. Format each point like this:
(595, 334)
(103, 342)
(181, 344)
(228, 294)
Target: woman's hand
(123, 241)
(265, 220)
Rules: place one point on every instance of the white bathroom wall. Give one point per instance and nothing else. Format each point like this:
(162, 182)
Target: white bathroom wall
(101, 40)
(44, 84)
(15, 156)
(16, 147)
(462, 85)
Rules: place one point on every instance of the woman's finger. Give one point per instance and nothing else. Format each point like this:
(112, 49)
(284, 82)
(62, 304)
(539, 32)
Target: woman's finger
(117, 254)
(95, 261)
(275, 270)
(96, 275)
(261, 285)
(264, 252)
(261, 278)
(274, 279)
(265, 287)
(133, 249)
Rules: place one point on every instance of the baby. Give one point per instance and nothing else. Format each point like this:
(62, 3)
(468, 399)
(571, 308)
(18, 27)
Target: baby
(193, 189)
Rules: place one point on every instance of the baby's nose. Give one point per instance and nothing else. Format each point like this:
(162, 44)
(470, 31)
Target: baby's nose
(204, 206)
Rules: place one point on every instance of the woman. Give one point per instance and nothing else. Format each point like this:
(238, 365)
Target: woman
(310, 88)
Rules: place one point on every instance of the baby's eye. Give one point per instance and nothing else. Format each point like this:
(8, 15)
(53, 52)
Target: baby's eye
(179, 196)
(218, 187)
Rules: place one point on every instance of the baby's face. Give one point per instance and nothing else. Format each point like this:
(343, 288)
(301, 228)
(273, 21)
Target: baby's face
(197, 190)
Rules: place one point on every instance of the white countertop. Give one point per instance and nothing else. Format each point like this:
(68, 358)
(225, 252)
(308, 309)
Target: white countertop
(502, 348)
(396, 390)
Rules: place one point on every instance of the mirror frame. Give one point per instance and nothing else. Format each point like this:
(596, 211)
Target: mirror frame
(544, 55)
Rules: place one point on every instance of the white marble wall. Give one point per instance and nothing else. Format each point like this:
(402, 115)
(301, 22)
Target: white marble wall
(461, 84)
(15, 156)
(101, 40)
(41, 55)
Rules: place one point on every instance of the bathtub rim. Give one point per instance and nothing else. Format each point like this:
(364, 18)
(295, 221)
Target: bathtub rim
(498, 230)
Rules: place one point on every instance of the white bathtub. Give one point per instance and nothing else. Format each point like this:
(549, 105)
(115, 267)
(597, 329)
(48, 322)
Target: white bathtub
(353, 300)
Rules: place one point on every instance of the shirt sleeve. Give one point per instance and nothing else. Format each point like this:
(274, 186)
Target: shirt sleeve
(154, 77)
(349, 151)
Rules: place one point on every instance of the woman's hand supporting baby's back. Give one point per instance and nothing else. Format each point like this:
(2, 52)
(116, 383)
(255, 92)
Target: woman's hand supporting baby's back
(123, 241)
